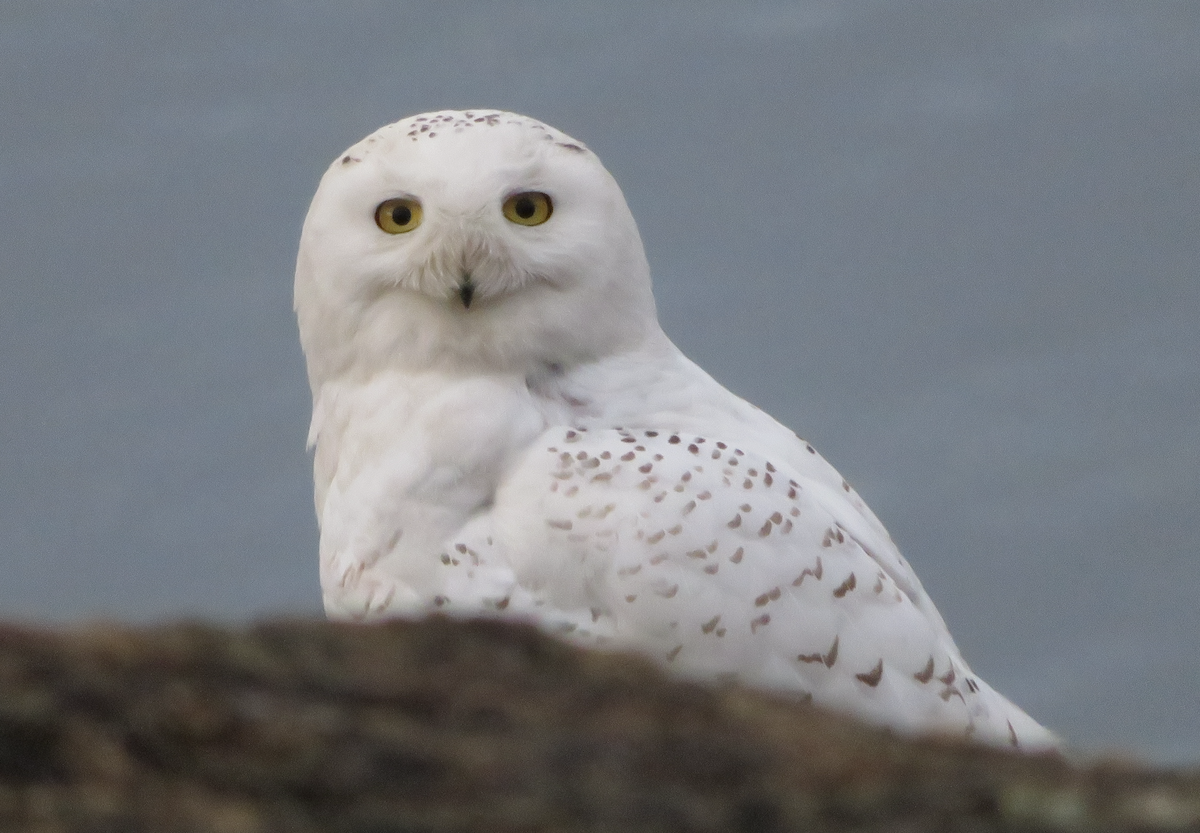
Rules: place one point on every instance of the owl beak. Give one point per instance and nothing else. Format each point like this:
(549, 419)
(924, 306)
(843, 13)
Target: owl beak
(466, 291)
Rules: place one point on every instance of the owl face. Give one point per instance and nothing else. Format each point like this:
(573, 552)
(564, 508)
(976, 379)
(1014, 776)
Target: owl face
(477, 239)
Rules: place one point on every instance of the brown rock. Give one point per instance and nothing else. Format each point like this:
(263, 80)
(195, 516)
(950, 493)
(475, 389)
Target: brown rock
(445, 725)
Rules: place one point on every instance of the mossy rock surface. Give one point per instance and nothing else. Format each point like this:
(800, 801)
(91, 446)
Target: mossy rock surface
(446, 725)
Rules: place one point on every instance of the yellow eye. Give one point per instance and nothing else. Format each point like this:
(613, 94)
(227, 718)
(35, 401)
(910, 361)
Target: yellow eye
(398, 215)
(529, 208)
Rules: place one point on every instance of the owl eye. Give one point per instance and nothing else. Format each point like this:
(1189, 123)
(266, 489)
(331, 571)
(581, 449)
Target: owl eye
(396, 216)
(529, 208)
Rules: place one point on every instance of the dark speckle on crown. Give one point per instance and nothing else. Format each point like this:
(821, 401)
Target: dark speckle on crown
(427, 126)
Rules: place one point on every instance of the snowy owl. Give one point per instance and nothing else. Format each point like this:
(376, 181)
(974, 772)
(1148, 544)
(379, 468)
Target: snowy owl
(502, 428)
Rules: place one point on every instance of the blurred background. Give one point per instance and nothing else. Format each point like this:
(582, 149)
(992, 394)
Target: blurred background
(955, 245)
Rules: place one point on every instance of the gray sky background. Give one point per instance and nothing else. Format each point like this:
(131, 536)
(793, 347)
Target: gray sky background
(954, 244)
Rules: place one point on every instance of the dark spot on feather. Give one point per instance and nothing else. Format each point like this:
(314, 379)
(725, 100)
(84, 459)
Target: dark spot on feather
(816, 572)
(827, 659)
(845, 587)
(925, 674)
(873, 676)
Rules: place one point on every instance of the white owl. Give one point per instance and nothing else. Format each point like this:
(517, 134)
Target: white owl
(502, 428)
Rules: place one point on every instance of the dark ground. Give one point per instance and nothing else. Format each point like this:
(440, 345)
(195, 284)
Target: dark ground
(443, 725)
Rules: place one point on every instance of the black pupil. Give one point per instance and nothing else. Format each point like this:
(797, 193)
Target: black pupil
(525, 208)
(402, 215)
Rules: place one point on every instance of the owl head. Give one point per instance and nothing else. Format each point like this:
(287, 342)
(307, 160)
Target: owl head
(468, 241)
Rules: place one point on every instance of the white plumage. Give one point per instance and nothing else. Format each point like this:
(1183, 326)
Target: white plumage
(502, 428)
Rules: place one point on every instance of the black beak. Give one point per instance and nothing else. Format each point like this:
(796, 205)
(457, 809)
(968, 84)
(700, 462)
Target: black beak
(466, 291)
